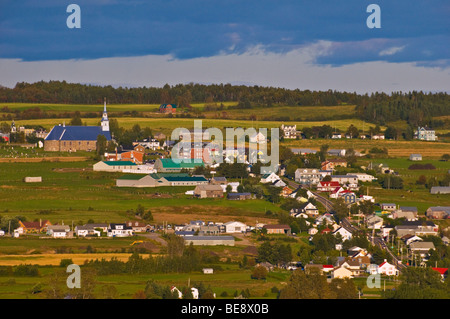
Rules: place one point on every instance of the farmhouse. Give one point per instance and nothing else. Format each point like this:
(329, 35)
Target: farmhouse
(59, 231)
(289, 131)
(278, 229)
(438, 212)
(235, 227)
(425, 134)
(64, 138)
(208, 191)
(33, 227)
(120, 230)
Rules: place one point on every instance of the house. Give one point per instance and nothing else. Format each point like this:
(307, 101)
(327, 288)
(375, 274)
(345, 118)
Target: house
(258, 138)
(289, 131)
(278, 229)
(336, 193)
(350, 180)
(33, 227)
(388, 206)
(152, 144)
(119, 230)
(438, 212)
(341, 272)
(408, 239)
(378, 137)
(325, 219)
(374, 222)
(235, 227)
(440, 190)
(269, 178)
(363, 177)
(168, 165)
(442, 271)
(286, 191)
(136, 155)
(113, 166)
(208, 191)
(331, 164)
(137, 226)
(348, 196)
(312, 231)
(239, 196)
(409, 213)
(310, 176)
(278, 183)
(207, 271)
(345, 233)
(91, 230)
(421, 247)
(64, 138)
(327, 186)
(168, 108)
(59, 231)
(425, 134)
(219, 180)
(419, 228)
(336, 136)
(309, 209)
(415, 157)
(336, 152)
(387, 269)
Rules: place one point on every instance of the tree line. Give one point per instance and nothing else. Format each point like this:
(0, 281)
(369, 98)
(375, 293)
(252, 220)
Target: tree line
(416, 108)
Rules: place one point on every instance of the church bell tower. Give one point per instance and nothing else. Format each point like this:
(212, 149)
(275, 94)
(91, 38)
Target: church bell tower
(105, 121)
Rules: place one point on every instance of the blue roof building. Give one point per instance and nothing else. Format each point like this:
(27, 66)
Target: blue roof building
(64, 138)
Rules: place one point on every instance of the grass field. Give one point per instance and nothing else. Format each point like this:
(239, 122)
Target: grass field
(402, 149)
(167, 125)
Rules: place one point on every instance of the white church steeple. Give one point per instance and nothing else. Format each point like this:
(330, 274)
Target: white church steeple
(105, 121)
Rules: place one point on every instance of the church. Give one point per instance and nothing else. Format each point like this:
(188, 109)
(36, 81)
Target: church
(63, 138)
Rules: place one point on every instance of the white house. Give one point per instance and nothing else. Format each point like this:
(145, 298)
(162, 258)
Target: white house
(345, 234)
(235, 227)
(269, 178)
(342, 272)
(258, 138)
(58, 231)
(387, 269)
(120, 230)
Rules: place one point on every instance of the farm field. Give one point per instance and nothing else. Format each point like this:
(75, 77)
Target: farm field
(401, 149)
(167, 125)
(71, 192)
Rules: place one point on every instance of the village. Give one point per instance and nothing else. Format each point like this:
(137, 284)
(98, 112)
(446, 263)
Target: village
(323, 200)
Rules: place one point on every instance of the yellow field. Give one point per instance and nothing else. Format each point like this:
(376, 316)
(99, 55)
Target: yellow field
(55, 259)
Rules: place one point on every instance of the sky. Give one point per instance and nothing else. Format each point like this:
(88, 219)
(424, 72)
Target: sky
(316, 45)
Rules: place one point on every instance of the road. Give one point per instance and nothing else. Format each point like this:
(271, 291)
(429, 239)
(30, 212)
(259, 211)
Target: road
(378, 241)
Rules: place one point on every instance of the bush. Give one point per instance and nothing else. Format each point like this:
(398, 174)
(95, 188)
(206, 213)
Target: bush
(422, 166)
(259, 273)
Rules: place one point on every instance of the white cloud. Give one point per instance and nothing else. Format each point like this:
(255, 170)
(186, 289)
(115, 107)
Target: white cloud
(391, 51)
(292, 70)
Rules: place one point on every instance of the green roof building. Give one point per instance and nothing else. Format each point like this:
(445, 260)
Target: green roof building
(167, 165)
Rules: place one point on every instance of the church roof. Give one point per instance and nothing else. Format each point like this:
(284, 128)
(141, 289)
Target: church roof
(76, 133)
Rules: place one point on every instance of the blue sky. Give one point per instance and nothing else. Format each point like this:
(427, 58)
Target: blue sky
(413, 32)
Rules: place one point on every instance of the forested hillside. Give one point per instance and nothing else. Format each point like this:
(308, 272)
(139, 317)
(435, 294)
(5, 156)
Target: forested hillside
(416, 108)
